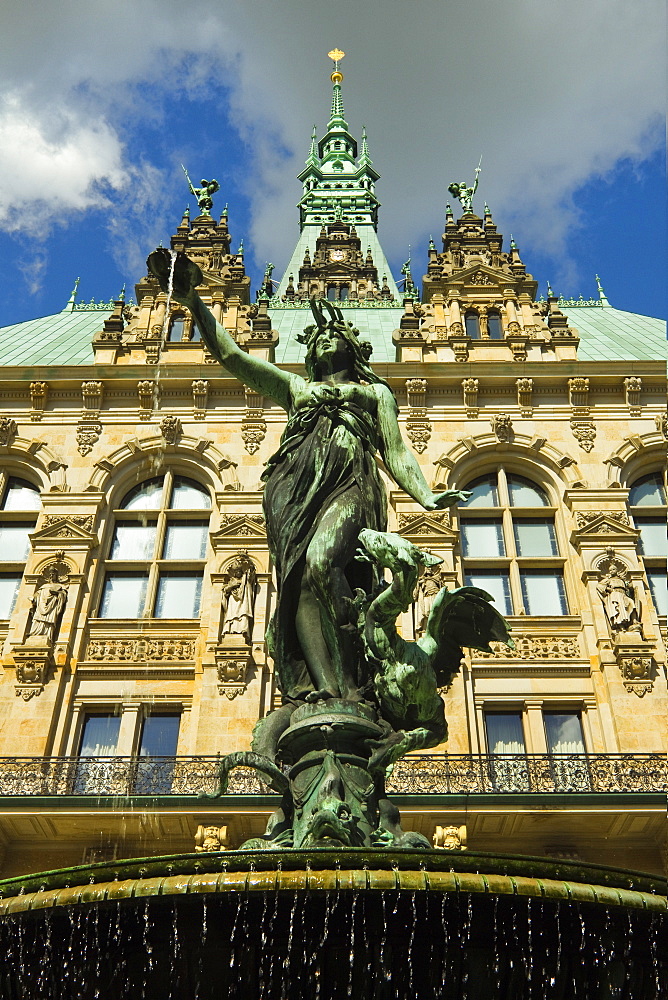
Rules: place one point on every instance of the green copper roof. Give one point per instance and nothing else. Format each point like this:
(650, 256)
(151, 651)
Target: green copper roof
(62, 339)
(609, 334)
(375, 324)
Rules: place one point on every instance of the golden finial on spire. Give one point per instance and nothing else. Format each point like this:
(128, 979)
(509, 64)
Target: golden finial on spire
(336, 55)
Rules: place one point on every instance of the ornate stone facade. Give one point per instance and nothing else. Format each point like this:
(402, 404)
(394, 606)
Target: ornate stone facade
(473, 362)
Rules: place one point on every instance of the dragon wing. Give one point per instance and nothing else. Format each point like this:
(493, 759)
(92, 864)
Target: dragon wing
(462, 617)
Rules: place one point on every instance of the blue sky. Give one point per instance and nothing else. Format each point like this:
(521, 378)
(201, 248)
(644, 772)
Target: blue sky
(99, 106)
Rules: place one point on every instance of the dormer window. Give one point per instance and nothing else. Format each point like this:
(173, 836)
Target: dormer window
(494, 328)
(175, 334)
(472, 321)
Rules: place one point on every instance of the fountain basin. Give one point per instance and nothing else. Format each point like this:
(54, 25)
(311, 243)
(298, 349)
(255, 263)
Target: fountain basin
(334, 923)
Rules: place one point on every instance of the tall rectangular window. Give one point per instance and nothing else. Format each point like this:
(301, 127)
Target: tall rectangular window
(160, 735)
(14, 541)
(482, 537)
(178, 595)
(508, 770)
(497, 585)
(100, 735)
(124, 595)
(159, 740)
(570, 769)
(543, 592)
(9, 589)
(504, 732)
(99, 739)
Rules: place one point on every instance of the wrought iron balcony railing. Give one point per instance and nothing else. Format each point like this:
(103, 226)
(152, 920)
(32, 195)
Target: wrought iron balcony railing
(430, 774)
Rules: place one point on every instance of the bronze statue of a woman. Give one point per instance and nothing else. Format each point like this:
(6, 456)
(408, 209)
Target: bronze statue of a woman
(322, 487)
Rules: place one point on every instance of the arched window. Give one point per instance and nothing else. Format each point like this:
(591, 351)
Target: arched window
(472, 321)
(19, 503)
(509, 545)
(156, 557)
(494, 326)
(175, 334)
(647, 500)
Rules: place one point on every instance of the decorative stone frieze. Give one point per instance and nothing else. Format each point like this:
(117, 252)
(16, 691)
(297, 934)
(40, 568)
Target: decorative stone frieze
(450, 838)
(502, 426)
(418, 427)
(112, 649)
(171, 429)
(633, 390)
(200, 389)
(661, 421)
(88, 435)
(66, 523)
(583, 518)
(244, 525)
(525, 396)
(39, 393)
(425, 523)
(529, 647)
(148, 392)
(470, 390)
(91, 394)
(7, 431)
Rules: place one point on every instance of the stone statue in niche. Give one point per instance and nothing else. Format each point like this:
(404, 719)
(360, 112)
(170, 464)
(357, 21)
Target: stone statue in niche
(48, 604)
(619, 597)
(428, 586)
(239, 593)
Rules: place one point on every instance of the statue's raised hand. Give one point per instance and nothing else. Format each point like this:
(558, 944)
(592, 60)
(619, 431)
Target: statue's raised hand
(186, 277)
(447, 499)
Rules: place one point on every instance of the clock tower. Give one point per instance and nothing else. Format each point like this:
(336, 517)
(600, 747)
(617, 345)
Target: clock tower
(338, 254)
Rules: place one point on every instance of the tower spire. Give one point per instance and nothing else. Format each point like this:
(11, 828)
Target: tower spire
(337, 117)
(313, 159)
(364, 155)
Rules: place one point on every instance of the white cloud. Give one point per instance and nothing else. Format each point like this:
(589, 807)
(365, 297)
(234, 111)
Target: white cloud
(550, 93)
(48, 171)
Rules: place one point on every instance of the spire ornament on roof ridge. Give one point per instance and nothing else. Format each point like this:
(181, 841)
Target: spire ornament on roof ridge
(337, 116)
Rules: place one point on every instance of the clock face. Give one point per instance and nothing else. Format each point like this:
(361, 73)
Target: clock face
(337, 255)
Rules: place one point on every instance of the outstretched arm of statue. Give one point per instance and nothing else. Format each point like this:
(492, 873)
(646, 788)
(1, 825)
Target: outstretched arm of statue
(259, 375)
(401, 463)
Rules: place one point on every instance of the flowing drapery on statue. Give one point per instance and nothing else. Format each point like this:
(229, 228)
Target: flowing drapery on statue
(322, 486)
(356, 696)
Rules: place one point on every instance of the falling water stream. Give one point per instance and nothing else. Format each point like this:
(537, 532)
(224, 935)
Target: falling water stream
(376, 945)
